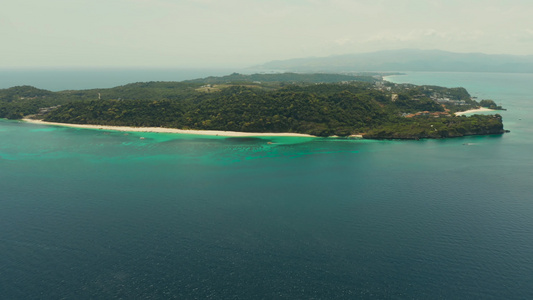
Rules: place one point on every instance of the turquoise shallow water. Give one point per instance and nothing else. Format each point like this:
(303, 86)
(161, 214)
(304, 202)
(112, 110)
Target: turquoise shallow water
(93, 214)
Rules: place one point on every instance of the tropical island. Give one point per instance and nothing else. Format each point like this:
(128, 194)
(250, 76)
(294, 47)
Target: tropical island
(314, 104)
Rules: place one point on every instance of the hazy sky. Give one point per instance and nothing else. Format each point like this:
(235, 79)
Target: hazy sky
(240, 33)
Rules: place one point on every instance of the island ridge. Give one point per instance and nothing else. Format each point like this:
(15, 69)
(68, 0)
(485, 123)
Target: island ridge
(309, 104)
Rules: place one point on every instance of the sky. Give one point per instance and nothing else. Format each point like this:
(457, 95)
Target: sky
(242, 33)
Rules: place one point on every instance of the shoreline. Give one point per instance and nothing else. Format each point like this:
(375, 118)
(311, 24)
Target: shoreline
(173, 130)
(481, 109)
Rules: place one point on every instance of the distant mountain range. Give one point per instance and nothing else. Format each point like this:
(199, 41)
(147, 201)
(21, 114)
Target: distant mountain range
(407, 60)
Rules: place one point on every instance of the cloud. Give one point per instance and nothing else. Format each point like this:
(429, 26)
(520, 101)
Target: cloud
(343, 41)
(524, 35)
(405, 36)
(426, 35)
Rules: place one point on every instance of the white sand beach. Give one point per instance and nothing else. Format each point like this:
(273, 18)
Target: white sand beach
(481, 109)
(170, 130)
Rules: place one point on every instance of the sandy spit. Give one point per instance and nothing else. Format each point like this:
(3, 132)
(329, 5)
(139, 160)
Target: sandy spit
(481, 109)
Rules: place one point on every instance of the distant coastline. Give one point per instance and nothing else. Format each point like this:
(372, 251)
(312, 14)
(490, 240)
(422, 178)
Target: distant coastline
(172, 130)
(407, 60)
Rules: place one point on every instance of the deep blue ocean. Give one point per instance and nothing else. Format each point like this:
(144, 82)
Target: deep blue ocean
(88, 214)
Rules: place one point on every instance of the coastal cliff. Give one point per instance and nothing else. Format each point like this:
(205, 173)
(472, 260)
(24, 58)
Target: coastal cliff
(436, 129)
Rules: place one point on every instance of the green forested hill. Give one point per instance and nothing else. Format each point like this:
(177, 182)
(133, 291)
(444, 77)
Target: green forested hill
(237, 108)
(377, 109)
